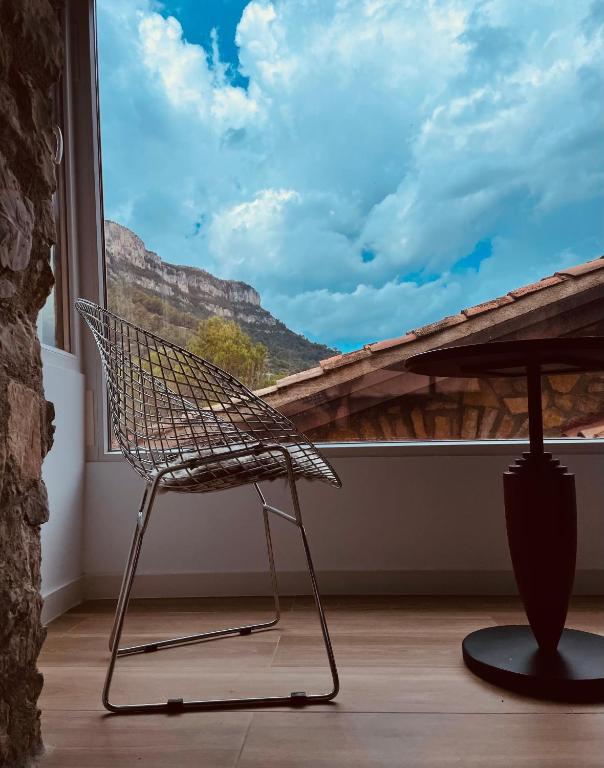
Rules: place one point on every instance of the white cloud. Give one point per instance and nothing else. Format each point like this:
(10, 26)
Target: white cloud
(189, 78)
(407, 130)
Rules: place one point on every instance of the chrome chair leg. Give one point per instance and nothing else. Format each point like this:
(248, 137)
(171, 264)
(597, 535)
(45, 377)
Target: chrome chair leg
(128, 568)
(179, 705)
(142, 521)
(271, 562)
(315, 587)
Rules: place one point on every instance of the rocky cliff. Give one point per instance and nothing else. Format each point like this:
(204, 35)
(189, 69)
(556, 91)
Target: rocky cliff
(177, 297)
(125, 251)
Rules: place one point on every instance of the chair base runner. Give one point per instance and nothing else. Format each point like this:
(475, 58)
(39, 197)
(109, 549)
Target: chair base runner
(176, 642)
(177, 706)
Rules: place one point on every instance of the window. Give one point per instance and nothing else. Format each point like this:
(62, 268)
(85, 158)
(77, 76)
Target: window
(307, 194)
(54, 318)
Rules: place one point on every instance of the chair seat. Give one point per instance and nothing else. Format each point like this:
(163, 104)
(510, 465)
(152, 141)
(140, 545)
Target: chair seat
(169, 407)
(223, 471)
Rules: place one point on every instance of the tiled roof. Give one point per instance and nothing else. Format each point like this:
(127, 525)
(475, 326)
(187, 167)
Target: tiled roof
(591, 431)
(546, 282)
(465, 315)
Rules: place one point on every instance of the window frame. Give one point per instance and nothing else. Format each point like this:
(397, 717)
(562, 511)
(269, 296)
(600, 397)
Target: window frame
(87, 186)
(63, 292)
(62, 255)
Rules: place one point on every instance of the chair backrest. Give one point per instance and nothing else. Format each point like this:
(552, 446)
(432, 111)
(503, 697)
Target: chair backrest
(165, 401)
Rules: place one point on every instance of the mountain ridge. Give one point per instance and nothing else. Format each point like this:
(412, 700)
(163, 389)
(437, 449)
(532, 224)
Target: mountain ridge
(172, 299)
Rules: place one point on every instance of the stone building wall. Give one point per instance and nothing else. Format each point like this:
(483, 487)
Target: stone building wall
(475, 409)
(30, 61)
(472, 409)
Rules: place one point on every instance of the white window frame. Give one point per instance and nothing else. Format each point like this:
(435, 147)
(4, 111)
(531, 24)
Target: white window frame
(67, 282)
(88, 192)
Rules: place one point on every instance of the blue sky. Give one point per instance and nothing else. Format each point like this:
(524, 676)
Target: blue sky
(367, 165)
(199, 17)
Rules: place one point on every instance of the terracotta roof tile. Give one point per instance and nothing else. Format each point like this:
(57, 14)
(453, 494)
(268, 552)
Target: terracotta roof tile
(525, 290)
(439, 325)
(266, 390)
(311, 373)
(350, 357)
(378, 346)
(582, 269)
(487, 306)
(590, 431)
(337, 361)
(329, 361)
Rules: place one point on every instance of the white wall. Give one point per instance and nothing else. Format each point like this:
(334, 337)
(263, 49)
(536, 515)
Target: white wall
(63, 473)
(427, 523)
(402, 523)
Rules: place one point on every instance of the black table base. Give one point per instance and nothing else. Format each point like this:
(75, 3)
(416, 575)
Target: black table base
(510, 657)
(543, 659)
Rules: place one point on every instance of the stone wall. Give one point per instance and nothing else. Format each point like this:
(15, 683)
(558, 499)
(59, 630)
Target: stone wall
(30, 61)
(472, 409)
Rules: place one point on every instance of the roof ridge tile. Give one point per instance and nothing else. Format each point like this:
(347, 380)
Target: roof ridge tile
(539, 285)
(582, 269)
(487, 306)
(439, 325)
(294, 378)
(397, 341)
(347, 357)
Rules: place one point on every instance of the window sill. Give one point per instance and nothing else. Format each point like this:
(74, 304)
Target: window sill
(59, 358)
(458, 448)
(512, 448)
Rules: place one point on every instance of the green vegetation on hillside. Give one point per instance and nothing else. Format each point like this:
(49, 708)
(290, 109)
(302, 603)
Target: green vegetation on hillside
(285, 351)
(150, 312)
(225, 344)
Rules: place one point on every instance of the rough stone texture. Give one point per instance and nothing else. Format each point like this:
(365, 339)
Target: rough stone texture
(494, 411)
(16, 229)
(30, 61)
(23, 435)
(466, 409)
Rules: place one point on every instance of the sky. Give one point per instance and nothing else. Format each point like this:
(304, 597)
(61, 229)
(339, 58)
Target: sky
(369, 166)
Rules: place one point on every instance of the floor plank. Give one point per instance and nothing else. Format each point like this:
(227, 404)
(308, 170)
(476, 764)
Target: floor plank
(406, 698)
(258, 650)
(93, 740)
(424, 741)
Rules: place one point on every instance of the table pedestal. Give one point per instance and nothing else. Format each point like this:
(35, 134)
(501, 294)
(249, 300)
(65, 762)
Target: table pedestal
(541, 520)
(544, 659)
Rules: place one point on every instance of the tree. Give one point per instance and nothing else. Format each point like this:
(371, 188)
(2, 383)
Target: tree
(227, 345)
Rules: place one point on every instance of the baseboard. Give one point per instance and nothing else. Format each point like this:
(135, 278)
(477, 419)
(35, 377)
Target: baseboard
(60, 600)
(106, 586)
(103, 586)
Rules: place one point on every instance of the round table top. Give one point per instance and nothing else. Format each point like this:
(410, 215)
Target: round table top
(512, 358)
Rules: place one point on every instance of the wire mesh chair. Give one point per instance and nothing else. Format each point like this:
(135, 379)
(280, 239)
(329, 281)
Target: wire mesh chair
(187, 426)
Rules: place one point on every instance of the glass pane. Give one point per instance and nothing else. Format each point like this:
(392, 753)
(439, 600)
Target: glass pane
(459, 409)
(307, 194)
(49, 319)
(53, 320)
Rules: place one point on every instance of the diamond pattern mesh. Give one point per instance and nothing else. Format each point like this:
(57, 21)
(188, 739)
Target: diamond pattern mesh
(169, 406)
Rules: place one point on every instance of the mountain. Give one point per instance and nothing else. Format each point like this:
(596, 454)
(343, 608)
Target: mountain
(171, 300)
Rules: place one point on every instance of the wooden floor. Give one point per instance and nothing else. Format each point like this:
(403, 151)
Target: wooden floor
(406, 698)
